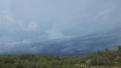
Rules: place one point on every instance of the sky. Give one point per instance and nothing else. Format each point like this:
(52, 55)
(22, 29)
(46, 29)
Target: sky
(25, 21)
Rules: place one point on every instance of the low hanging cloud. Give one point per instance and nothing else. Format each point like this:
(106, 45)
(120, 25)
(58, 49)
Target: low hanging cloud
(38, 20)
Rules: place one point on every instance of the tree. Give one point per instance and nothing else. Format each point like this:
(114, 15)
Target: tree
(119, 50)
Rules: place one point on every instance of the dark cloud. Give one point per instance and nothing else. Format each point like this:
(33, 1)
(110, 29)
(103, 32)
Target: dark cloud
(40, 20)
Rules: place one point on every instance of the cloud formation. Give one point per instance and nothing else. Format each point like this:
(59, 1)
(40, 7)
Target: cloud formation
(38, 20)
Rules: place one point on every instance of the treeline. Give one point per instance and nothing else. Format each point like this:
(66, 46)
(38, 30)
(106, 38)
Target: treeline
(103, 58)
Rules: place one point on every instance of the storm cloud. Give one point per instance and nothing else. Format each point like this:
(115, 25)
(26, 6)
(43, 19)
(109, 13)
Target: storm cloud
(25, 21)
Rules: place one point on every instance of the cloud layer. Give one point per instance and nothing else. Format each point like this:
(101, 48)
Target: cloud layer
(23, 21)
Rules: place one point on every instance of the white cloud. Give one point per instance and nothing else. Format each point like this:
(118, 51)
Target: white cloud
(10, 19)
(7, 23)
(105, 12)
(54, 33)
(32, 26)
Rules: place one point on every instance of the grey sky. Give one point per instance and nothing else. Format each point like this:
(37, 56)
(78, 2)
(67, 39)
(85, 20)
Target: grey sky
(31, 20)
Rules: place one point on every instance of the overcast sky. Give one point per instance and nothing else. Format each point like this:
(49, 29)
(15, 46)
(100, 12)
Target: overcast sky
(38, 20)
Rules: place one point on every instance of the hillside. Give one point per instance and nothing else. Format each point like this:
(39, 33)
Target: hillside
(102, 59)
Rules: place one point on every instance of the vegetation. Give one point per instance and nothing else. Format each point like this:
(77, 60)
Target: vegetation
(104, 59)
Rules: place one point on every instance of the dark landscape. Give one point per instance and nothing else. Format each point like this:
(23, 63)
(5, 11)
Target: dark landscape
(101, 59)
